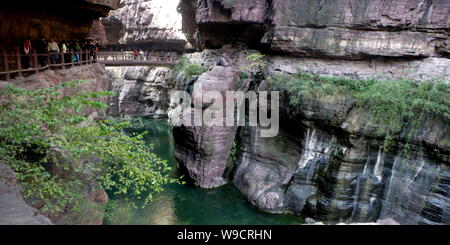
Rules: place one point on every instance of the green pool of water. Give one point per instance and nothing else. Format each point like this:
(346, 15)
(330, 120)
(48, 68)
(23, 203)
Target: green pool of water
(186, 204)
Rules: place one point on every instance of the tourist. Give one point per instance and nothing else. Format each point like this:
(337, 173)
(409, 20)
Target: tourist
(64, 50)
(141, 54)
(25, 53)
(77, 50)
(96, 49)
(92, 47)
(41, 49)
(53, 49)
(84, 48)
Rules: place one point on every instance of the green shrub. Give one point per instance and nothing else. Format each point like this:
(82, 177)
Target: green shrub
(234, 152)
(53, 147)
(391, 104)
(190, 69)
(255, 67)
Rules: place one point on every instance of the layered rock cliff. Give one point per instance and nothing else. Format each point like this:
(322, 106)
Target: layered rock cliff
(143, 20)
(140, 91)
(327, 162)
(68, 20)
(341, 29)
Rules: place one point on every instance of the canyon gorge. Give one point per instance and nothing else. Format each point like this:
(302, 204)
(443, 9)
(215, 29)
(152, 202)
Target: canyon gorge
(328, 162)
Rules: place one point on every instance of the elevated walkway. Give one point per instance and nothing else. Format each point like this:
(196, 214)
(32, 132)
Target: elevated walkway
(129, 59)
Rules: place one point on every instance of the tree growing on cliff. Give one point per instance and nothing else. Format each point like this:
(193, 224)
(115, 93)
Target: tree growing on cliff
(55, 149)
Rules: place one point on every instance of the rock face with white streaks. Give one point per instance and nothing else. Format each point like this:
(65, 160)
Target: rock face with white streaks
(349, 29)
(144, 20)
(326, 162)
(141, 91)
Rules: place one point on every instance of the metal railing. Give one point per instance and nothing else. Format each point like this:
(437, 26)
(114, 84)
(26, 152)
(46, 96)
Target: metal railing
(17, 65)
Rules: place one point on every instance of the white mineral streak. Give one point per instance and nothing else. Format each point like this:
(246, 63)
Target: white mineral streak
(309, 152)
(149, 20)
(378, 170)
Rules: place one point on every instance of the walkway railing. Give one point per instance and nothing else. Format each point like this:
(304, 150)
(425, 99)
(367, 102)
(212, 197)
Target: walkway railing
(129, 58)
(18, 65)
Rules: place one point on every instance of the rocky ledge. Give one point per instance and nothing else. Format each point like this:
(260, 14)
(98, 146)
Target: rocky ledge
(13, 209)
(345, 29)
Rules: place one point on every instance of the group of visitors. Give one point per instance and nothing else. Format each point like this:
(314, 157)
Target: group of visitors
(147, 54)
(74, 50)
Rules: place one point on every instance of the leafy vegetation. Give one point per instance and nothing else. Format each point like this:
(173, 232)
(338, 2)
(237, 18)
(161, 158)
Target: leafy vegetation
(55, 149)
(254, 70)
(190, 69)
(391, 104)
(234, 152)
(255, 67)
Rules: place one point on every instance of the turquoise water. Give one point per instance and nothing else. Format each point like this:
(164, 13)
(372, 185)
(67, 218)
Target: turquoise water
(186, 204)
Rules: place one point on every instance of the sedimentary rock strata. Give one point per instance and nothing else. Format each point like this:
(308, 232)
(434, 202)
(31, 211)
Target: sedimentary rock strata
(340, 29)
(326, 162)
(141, 91)
(137, 21)
(68, 20)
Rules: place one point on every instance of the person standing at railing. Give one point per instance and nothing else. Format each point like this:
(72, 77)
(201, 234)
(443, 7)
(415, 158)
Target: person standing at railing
(141, 54)
(77, 50)
(64, 50)
(53, 49)
(96, 47)
(84, 49)
(25, 53)
(41, 49)
(92, 50)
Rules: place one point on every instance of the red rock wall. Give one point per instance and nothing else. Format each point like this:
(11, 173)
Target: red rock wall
(63, 20)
